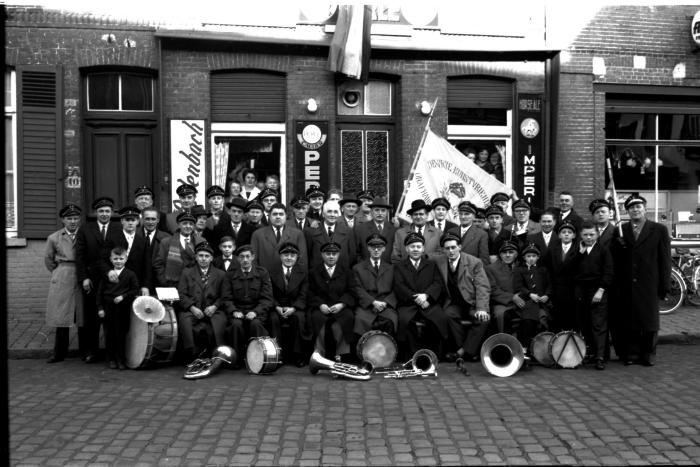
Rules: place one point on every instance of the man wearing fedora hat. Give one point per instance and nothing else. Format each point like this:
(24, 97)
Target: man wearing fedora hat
(419, 215)
(349, 210)
(88, 248)
(233, 225)
(642, 265)
(441, 208)
(134, 244)
(380, 224)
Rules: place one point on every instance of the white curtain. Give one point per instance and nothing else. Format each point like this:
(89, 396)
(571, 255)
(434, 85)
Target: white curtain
(221, 165)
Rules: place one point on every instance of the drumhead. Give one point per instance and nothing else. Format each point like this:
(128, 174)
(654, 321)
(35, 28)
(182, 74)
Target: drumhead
(378, 348)
(255, 355)
(539, 348)
(567, 349)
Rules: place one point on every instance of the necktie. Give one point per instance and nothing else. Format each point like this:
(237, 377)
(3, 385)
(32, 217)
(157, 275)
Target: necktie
(440, 226)
(415, 264)
(227, 261)
(287, 275)
(188, 244)
(330, 233)
(278, 235)
(635, 231)
(376, 266)
(380, 227)
(104, 232)
(301, 225)
(563, 254)
(419, 230)
(72, 237)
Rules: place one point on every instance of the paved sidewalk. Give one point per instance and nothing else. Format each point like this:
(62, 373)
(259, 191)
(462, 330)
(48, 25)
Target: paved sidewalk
(29, 339)
(75, 414)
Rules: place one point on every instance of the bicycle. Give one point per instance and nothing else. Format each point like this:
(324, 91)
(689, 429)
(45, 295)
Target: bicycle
(685, 282)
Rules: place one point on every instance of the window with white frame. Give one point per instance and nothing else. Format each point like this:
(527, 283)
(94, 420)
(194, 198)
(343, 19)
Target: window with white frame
(10, 152)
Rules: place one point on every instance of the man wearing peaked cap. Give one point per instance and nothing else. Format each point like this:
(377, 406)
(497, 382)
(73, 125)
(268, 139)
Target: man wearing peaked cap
(441, 209)
(254, 214)
(188, 198)
(133, 242)
(547, 236)
(201, 293)
(474, 241)
(601, 213)
(642, 265)
(176, 253)
(502, 200)
(496, 233)
(500, 275)
(215, 200)
(480, 218)
(419, 216)
(89, 246)
(144, 198)
(316, 197)
(65, 299)
(380, 212)
(300, 208)
(267, 198)
(374, 278)
(523, 225)
(233, 224)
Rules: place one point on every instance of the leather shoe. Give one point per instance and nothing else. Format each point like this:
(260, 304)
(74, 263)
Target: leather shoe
(452, 357)
(54, 359)
(646, 361)
(113, 365)
(600, 364)
(122, 365)
(91, 359)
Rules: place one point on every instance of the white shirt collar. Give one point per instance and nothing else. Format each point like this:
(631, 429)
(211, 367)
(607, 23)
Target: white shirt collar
(565, 247)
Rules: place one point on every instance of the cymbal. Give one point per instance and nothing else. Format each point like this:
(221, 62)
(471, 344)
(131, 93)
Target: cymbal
(148, 309)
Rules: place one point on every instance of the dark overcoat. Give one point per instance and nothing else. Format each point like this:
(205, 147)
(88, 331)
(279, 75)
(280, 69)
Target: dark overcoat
(332, 290)
(371, 285)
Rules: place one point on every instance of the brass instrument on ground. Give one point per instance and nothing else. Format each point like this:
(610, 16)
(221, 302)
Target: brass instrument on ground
(502, 355)
(203, 367)
(423, 363)
(318, 362)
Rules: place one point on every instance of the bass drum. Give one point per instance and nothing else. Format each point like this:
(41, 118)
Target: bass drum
(567, 349)
(151, 343)
(377, 348)
(539, 348)
(263, 355)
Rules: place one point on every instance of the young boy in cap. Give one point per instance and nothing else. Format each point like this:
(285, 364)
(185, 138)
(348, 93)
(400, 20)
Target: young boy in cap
(114, 297)
(133, 243)
(560, 261)
(144, 198)
(65, 299)
(316, 197)
(215, 200)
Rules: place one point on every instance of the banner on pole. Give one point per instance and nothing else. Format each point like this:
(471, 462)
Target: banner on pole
(443, 171)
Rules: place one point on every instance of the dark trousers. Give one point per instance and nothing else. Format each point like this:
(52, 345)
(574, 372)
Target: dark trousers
(421, 336)
(471, 338)
(89, 338)
(287, 333)
(639, 343)
(240, 331)
(60, 345)
(215, 325)
(592, 320)
(116, 322)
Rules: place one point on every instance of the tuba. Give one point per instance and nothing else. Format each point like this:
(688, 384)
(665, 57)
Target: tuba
(318, 362)
(423, 363)
(502, 355)
(203, 367)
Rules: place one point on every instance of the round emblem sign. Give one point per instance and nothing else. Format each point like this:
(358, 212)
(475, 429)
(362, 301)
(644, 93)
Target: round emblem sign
(695, 28)
(311, 134)
(529, 128)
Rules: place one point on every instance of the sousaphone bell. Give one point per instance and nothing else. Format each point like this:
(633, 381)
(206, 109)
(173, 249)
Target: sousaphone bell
(148, 309)
(502, 355)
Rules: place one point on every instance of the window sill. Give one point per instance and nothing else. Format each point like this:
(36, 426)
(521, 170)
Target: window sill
(15, 242)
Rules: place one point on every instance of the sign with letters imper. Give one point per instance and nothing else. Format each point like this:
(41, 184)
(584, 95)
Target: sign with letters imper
(311, 154)
(529, 160)
(187, 157)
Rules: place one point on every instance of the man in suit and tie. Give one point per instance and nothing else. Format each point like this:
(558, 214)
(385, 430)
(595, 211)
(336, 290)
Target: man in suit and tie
(642, 264)
(560, 262)
(298, 220)
(290, 286)
(441, 208)
(601, 212)
(226, 261)
(188, 198)
(176, 253)
(374, 284)
(234, 226)
(473, 240)
(546, 237)
(133, 243)
(348, 209)
(566, 211)
(268, 197)
(266, 240)
(523, 225)
(330, 230)
(466, 297)
(380, 224)
(153, 236)
(502, 200)
(431, 236)
(496, 233)
(88, 245)
(215, 200)
(418, 287)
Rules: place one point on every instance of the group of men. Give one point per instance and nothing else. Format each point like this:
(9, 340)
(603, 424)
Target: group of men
(334, 268)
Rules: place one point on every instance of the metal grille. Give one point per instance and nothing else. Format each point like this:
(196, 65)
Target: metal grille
(351, 151)
(376, 161)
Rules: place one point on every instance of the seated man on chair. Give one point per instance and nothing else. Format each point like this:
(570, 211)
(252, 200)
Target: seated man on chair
(466, 297)
(500, 274)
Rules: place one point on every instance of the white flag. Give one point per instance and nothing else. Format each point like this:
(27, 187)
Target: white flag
(443, 171)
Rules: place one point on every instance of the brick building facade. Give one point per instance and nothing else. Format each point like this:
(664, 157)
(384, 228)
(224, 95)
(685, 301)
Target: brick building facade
(578, 86)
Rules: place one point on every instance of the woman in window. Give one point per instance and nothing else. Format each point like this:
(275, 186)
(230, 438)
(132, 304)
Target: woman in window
(250, 185)
(496, 162)
(482, 160)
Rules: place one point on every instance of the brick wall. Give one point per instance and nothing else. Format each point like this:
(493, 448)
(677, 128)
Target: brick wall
(27, 282)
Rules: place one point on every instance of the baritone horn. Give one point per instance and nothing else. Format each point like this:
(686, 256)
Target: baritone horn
(318, 362)
(203, 367)
(502, 355)
(423, 363)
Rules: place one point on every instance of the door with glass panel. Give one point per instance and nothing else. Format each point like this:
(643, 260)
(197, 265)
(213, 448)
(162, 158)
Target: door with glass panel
(365, 151)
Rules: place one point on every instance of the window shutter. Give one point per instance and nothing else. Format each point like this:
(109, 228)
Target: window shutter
(479, 92)
(248, 96)
(40, 150)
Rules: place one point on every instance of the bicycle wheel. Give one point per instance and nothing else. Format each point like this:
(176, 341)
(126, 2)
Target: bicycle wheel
(675, 296)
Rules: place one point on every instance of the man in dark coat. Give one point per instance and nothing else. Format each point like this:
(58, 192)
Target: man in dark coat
(642, 262)
(143, 199)
(88, 249)
(380, 224)
(188, 198)
(331, 303)
(441, 209)
(523, 225)
(547, 237)
(566, 211)
(560, 262)
(497, 234)
(130, 239)
(153, 237)
(289, 322)
(227, 261)
(419, 216)
(331, 231)
(298, 219)
(601, 212)
(418, 286)
(267, 239)
(473, 240)
(233, 225)
(503, 293)
(374, 283)
(176, 253)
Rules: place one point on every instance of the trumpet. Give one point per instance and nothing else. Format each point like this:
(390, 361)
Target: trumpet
(423, 363)
(317, 362)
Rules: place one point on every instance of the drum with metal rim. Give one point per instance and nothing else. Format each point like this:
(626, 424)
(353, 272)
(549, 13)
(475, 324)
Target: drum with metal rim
(263, 355)
(377, 348)
(567, 349)
(539, 348)
(148, 342)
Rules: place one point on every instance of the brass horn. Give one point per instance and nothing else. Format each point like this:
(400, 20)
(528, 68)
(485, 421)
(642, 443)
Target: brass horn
(502, 355)
(203, 367)
(318, 362)
(423, 363)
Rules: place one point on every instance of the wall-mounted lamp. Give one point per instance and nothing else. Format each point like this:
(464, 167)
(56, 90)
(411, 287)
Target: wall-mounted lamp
(425, 108)
(311, 106)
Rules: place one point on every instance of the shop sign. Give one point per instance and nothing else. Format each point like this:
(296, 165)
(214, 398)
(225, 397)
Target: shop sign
(529, 163)
(311, 154)
(187, 157)
(695, 28)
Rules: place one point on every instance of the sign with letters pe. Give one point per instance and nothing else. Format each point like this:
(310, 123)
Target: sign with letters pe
(311, 154)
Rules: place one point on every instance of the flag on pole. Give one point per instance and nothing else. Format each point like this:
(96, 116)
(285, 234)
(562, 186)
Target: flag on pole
(441, 170)
(350, 47)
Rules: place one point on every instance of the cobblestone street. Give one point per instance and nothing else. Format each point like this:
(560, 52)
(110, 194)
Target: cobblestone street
(72, 413)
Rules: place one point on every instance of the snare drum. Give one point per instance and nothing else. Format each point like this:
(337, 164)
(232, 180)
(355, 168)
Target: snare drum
(567, 349)
(378, 348)
(539, 348)
(263, 355)
(151, 343)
